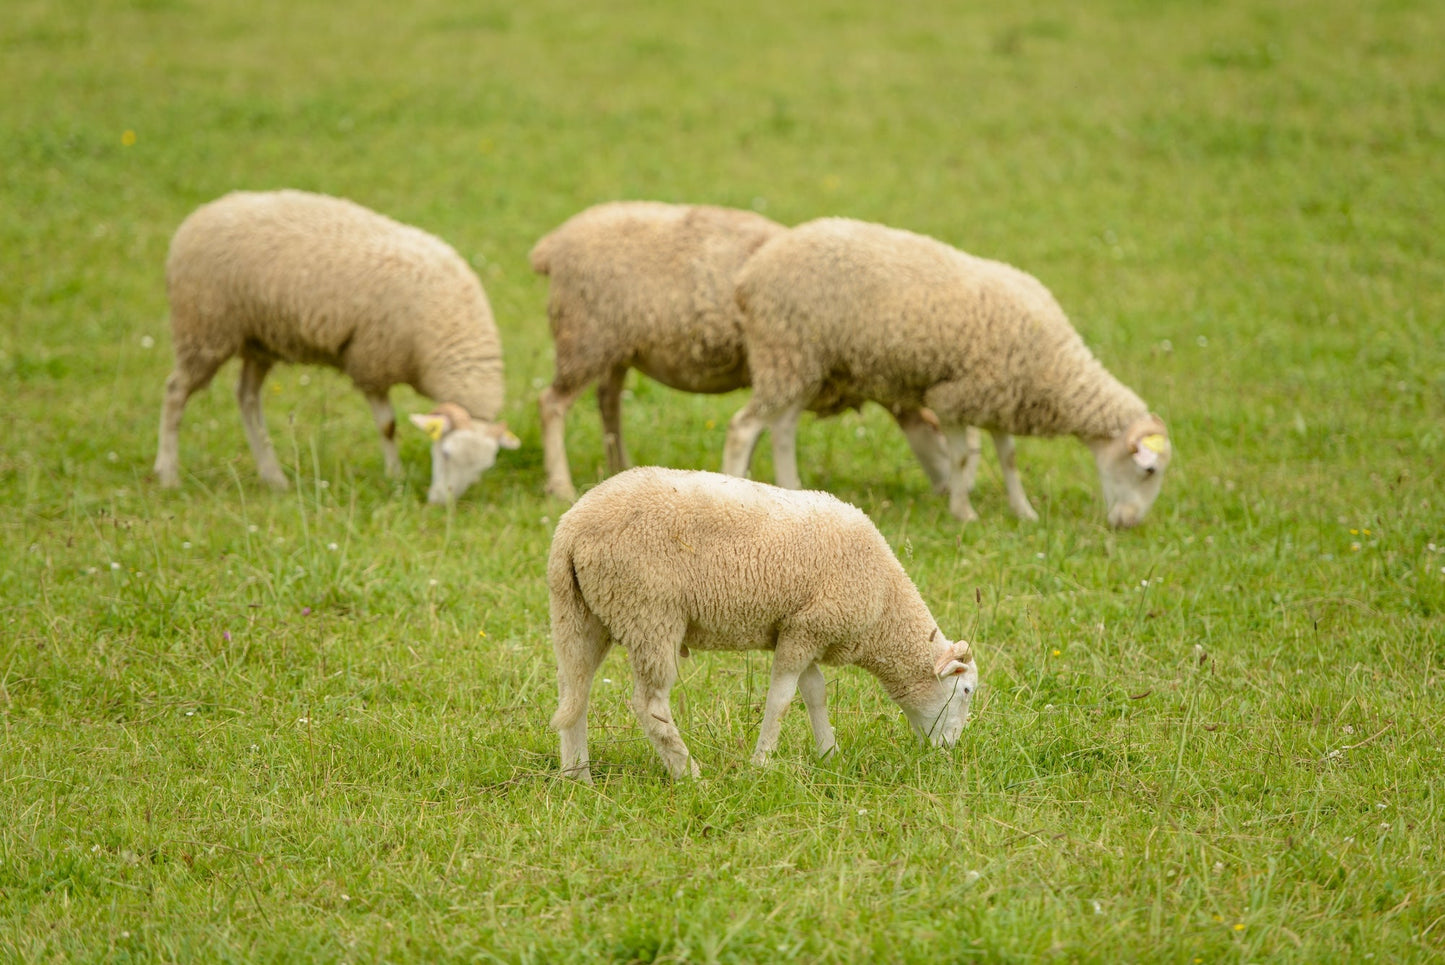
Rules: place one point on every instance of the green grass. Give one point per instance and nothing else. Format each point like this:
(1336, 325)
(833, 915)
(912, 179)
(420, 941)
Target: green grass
(249, 727)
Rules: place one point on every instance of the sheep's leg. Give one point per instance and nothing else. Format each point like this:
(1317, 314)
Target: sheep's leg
(1003, 444)
(815, 697)
(385, 418)
(654, 671)
(554, 403)
(928, 445)
(973, 446)
(576, 668)
(609, 403)
(963, 469)
(748, 424)
(248, 396)
(780, 694)
(784, 431)
(743, 431)
(179, 386)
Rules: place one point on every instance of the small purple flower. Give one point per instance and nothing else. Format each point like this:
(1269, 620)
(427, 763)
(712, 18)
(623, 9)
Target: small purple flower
(305, 611)
(227, 635)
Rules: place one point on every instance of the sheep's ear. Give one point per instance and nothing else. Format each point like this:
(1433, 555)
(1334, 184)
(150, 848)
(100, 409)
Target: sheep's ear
(1149, 449)
(505, 438)
(432, 424)
(956, 661)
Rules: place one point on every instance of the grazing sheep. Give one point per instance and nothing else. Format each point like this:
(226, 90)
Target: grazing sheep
(839, 305)
(296, 277)
(647, 285)
(663, 560)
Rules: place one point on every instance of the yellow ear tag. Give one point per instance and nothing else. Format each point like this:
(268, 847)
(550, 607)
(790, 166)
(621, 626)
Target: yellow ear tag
(1154, 442)
(434, 428)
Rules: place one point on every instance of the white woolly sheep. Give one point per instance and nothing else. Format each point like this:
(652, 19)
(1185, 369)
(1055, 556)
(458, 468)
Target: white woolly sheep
(840, 305)
(650, 286)
(296, 277)
(663, 560)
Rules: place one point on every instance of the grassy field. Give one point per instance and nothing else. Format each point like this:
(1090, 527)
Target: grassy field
(241, 726)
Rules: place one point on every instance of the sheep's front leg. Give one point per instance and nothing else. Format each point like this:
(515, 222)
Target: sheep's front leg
(815, 697)
(780, 693)
(962, 471)
(248, 396)
(1003, 444)
(385, 418)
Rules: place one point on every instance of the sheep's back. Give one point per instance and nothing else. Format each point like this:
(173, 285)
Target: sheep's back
(892, 313)
(651, 285)
(305, 276)
(732, 559)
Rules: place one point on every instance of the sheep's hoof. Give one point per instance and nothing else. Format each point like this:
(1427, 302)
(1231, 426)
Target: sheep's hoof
(965, 513)
(581, 773)
(562, 491)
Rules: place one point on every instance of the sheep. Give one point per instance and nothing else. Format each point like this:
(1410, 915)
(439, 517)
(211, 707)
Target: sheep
(662, 561)
(297, 277)
(648, 285)
(841, 305)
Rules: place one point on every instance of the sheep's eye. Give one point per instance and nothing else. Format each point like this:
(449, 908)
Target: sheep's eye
(968, 691)
(1151, 470)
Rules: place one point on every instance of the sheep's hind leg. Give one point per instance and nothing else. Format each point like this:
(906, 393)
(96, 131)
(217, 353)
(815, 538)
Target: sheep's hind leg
(815, 697)
(385, 418)
(609, 404)
(927, 443)
(747, 425)
(963, 470)
(179, 386)
(576, 669)
(553, 405)
(743, 431)
(784, 431)
(248, 396)
(654, 671)
(1003, 444)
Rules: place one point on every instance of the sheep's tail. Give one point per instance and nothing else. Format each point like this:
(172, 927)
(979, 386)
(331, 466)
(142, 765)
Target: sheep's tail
(541, 256)
(578, 637)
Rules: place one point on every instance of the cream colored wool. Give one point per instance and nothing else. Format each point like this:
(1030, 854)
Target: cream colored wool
(661, 561)
(899, 318)
(650, 286)
(291, 276)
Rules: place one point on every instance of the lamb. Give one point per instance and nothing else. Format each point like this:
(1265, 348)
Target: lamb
(297, 277)
(647, 285)
(840, 305)
(664, 560)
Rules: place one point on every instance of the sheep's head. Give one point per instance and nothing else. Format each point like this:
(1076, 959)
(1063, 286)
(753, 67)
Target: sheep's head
(1131, 468)
(939, 712)
(461, 449)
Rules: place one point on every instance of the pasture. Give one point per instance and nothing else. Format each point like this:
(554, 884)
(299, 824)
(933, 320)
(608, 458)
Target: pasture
(243, 726)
